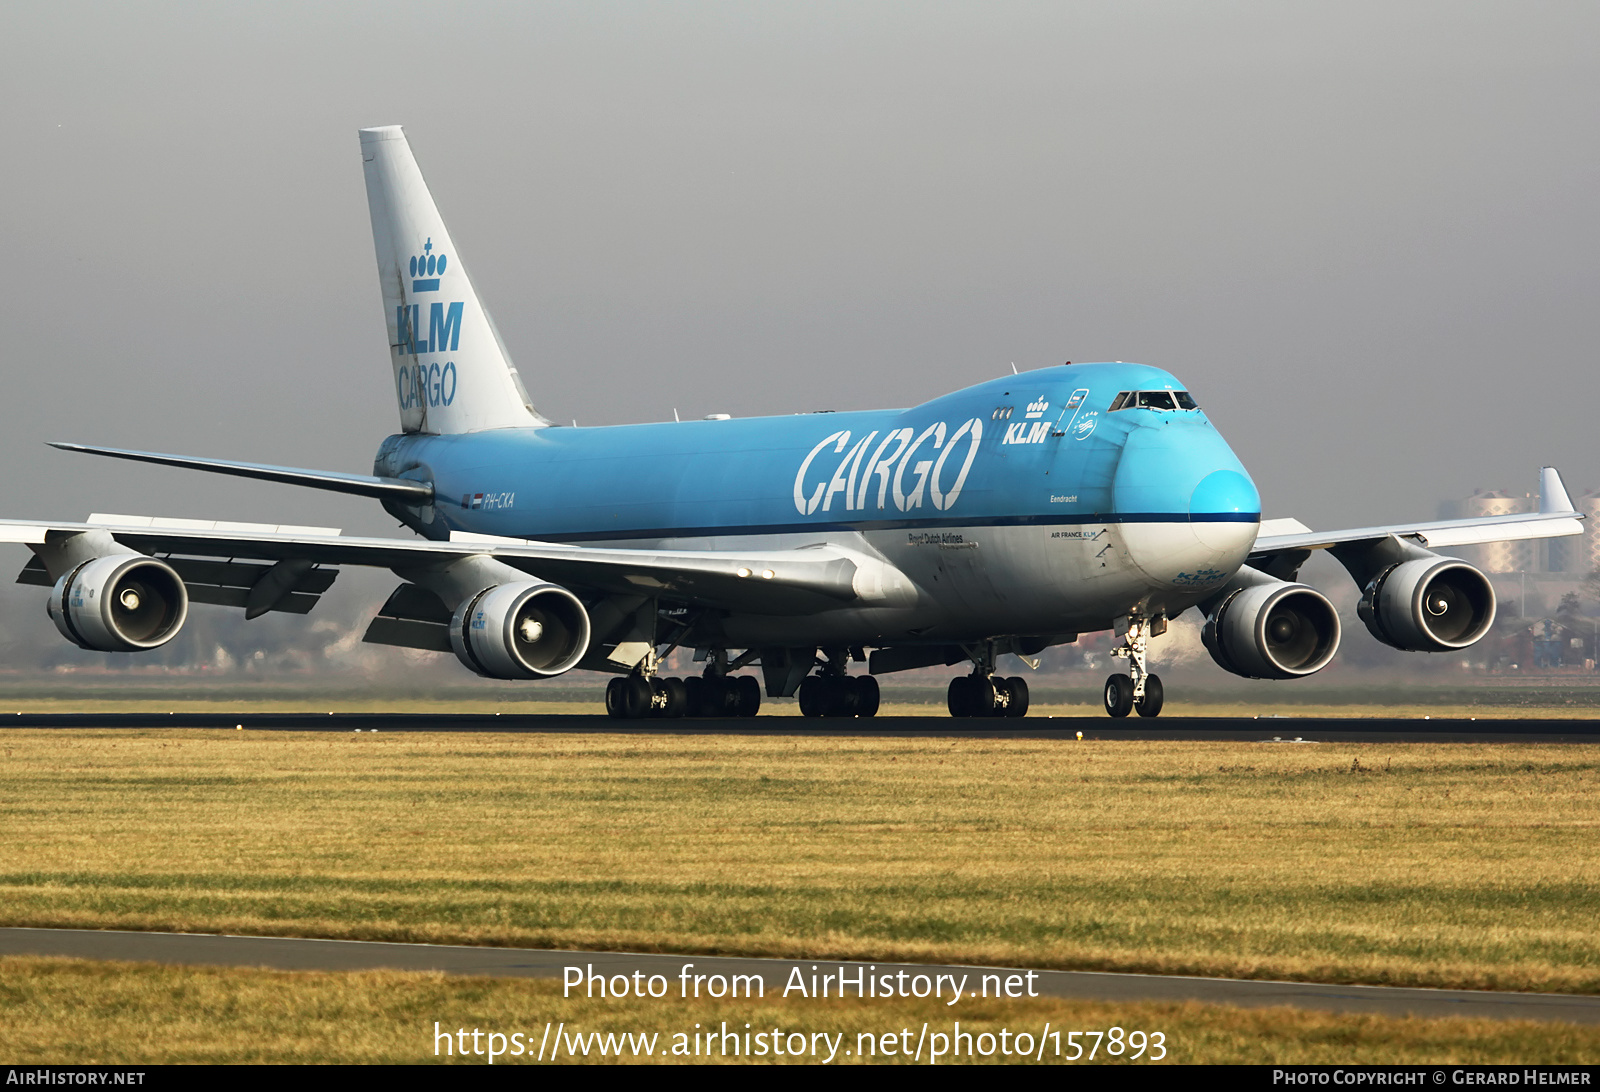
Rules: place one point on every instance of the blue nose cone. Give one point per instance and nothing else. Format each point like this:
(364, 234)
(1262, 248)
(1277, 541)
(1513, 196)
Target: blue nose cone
(1225, 493)
(1183, 470)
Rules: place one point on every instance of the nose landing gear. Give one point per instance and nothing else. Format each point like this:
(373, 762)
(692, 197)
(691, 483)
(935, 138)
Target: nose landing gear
(1140, 689)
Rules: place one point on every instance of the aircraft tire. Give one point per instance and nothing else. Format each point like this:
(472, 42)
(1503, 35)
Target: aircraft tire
(846, 696)
(694, 696)
(614, 699)
(959, 697)
(1017, 690)
(813, 688)
(1154, 697)
(747, 696)
(986, 697)
(636, 696)
(677, 699)
(866, 696)
(1119, 695)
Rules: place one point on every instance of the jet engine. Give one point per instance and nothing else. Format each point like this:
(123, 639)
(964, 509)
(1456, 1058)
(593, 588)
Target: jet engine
(520, 631)
(1270, 629)
(1428, 604)
(119, 603)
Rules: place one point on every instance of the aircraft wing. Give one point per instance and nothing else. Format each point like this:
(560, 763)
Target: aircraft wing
(802, 580)
(1290, 540)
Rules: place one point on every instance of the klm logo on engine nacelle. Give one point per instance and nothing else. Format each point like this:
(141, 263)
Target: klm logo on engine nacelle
(891, 471)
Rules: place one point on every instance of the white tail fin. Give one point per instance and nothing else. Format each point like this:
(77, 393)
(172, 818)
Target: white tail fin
(451, 371)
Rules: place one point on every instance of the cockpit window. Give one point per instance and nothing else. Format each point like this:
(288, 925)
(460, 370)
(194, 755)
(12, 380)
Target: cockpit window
(1158, 400)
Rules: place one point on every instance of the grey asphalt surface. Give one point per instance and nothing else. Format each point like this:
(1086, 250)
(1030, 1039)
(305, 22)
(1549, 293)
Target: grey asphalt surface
(1265, 729)
(296, 954)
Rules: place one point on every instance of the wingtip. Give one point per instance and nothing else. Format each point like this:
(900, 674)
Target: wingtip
(1552, 492)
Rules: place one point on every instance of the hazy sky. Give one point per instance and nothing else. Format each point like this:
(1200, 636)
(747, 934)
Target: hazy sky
(1363, 234)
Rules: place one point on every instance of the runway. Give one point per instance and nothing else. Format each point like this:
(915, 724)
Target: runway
(295, 954)
(1263, 729)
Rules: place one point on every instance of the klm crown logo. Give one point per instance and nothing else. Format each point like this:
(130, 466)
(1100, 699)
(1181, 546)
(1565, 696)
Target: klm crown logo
(1036, 409)
(426, 269)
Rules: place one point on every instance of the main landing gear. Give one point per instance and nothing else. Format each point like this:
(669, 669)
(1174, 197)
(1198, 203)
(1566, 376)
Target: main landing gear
(634, 697)
(985, 694)
(979, 695)
(832, 693)
(1140, 689)
(714, 694)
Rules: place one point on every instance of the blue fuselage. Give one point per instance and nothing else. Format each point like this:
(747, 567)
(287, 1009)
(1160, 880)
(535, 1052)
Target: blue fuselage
(1070, 514)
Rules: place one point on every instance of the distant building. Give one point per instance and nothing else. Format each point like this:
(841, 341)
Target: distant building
(1579, 553)
(1497, 557)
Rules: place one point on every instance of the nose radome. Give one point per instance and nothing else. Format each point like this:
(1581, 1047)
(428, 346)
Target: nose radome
(1224, 507)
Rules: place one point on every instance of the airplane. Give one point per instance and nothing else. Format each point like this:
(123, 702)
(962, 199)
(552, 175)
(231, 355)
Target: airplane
(1004, 518)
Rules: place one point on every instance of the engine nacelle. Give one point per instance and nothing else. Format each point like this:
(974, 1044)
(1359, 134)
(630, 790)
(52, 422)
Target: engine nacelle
(520, 631)
(1428, 604)
(119, 603)
(1272, 630)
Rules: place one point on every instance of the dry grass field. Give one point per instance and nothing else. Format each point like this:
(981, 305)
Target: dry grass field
(1421, 864)
(79, 1011)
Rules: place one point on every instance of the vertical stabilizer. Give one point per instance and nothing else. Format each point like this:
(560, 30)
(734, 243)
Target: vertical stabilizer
(451, 371)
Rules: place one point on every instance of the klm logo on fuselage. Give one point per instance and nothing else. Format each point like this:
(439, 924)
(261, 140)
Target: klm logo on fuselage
(1026, 432)
(1032, 430)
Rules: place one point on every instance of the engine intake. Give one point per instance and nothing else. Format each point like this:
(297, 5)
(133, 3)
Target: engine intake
(1428, 604)
(119, 603)
(520, 631)
(1272, 630)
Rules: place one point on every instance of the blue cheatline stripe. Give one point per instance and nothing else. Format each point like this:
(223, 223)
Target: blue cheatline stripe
(612, 534)
(425, 286)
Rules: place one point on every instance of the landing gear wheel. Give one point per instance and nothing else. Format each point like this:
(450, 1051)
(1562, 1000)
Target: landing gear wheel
(866, 696)
(813, 696)
(1150, 704)
(746, 696)
(1017, 690)
(694, 696)
(635, 697)
(614, 699)
(975, 696)
(959, 697)
(721, 697)
(1119, 695)
(677, 703)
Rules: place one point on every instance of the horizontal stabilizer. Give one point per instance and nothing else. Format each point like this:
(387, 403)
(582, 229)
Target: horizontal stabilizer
(362, 485)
